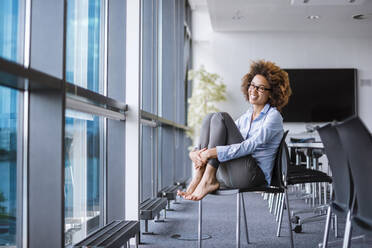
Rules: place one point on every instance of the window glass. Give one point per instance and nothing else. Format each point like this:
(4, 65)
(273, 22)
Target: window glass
(83, 169)
(84, 59)
(147, 161)
(159, 57)
(9, 29)
(9, 119)
(149, 60)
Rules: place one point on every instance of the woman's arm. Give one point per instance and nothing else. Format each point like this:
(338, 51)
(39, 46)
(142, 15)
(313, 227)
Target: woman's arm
(208, 153)
(272, 126)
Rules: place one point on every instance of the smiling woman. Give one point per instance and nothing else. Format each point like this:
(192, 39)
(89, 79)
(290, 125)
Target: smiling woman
(277, 82)
(246, 148)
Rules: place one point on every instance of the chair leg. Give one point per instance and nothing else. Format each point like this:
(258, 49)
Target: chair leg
(238, 220)
(200, 224)
(271, 203)
(326, 229)
(281, 210)
(138, 239)
(336, 226)
(276, 203)
(279, 207)
(348, 230)
(289, 219)
(245, 220)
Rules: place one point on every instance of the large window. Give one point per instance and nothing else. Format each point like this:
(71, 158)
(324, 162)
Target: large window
(10, 30)
(84, 46)
(164, 92)
(84, 132)
(56, 139)
(83, 160)
(9, 123)
(10, 136)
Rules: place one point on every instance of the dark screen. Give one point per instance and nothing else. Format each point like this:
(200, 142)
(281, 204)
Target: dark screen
(321, 95)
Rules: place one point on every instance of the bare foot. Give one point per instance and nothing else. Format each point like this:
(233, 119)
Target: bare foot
(194, 183)
(205, 186)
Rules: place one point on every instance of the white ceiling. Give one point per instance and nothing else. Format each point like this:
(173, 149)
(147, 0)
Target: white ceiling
(288, 15)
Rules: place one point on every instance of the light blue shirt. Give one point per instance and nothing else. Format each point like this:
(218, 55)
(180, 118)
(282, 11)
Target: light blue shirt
(262, 137)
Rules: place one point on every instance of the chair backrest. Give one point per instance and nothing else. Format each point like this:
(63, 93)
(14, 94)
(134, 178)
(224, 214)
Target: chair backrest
(281, 160)
(338, 162)
(357, 143)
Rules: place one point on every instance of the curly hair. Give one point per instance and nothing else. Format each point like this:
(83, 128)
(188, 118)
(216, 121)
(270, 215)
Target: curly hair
(276, 77)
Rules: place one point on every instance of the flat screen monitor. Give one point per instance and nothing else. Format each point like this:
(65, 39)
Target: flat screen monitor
(321, 95)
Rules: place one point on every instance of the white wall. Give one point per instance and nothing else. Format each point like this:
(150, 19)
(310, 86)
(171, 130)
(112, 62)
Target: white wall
(229, 54)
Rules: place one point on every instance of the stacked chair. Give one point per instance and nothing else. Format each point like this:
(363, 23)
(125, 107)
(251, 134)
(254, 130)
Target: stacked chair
(342, 196)
(299, 175)
(357, 143)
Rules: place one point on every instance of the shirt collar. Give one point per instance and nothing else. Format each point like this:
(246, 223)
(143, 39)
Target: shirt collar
(263, 111)
(266, 108)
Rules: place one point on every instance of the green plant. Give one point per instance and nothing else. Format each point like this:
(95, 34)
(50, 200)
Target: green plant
(208, 89)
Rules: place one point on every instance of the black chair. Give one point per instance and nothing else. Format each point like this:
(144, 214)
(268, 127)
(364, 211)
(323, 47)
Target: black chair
(342, 195)
(301, 176)
(277, 186)
(357, 143)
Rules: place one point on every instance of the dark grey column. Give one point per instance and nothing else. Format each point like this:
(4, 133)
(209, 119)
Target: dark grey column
(46, 169)
(46, 129)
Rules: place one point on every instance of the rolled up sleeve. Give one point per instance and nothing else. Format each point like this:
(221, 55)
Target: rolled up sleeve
(272, 125)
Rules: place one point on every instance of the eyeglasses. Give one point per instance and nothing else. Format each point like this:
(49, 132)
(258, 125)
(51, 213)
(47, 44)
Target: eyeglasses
(260, 88)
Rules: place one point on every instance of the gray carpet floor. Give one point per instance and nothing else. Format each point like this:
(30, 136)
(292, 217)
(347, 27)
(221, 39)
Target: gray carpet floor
(219, 221)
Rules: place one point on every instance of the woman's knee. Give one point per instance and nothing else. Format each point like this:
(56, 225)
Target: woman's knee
(208, 117)
(220, 117)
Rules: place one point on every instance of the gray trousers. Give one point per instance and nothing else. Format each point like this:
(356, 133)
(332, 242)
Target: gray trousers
(219, 129)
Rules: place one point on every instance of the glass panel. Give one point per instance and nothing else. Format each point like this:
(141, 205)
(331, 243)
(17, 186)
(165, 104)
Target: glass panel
(147, 162)
(149, 46)
(160, 57)
(9, 119)
(83, 159)
(84, 60)
(167, 150)
(179, 165)
(168, 67)
(9, 29)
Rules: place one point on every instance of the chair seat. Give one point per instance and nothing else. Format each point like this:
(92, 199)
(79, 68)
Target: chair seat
(263, 189)
(299, 169)
(299, 174)
(313, 177)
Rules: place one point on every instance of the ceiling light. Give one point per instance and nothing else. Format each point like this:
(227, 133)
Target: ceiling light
(328, 2)
(313, 17)
(362, 16)
(237, 15)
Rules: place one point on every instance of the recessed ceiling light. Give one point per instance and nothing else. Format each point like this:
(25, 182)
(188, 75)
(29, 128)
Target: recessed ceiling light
(237, 15)
(362, 16)
(313, 17)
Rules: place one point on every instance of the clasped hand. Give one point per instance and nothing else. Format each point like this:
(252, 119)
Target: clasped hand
(199, 157)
